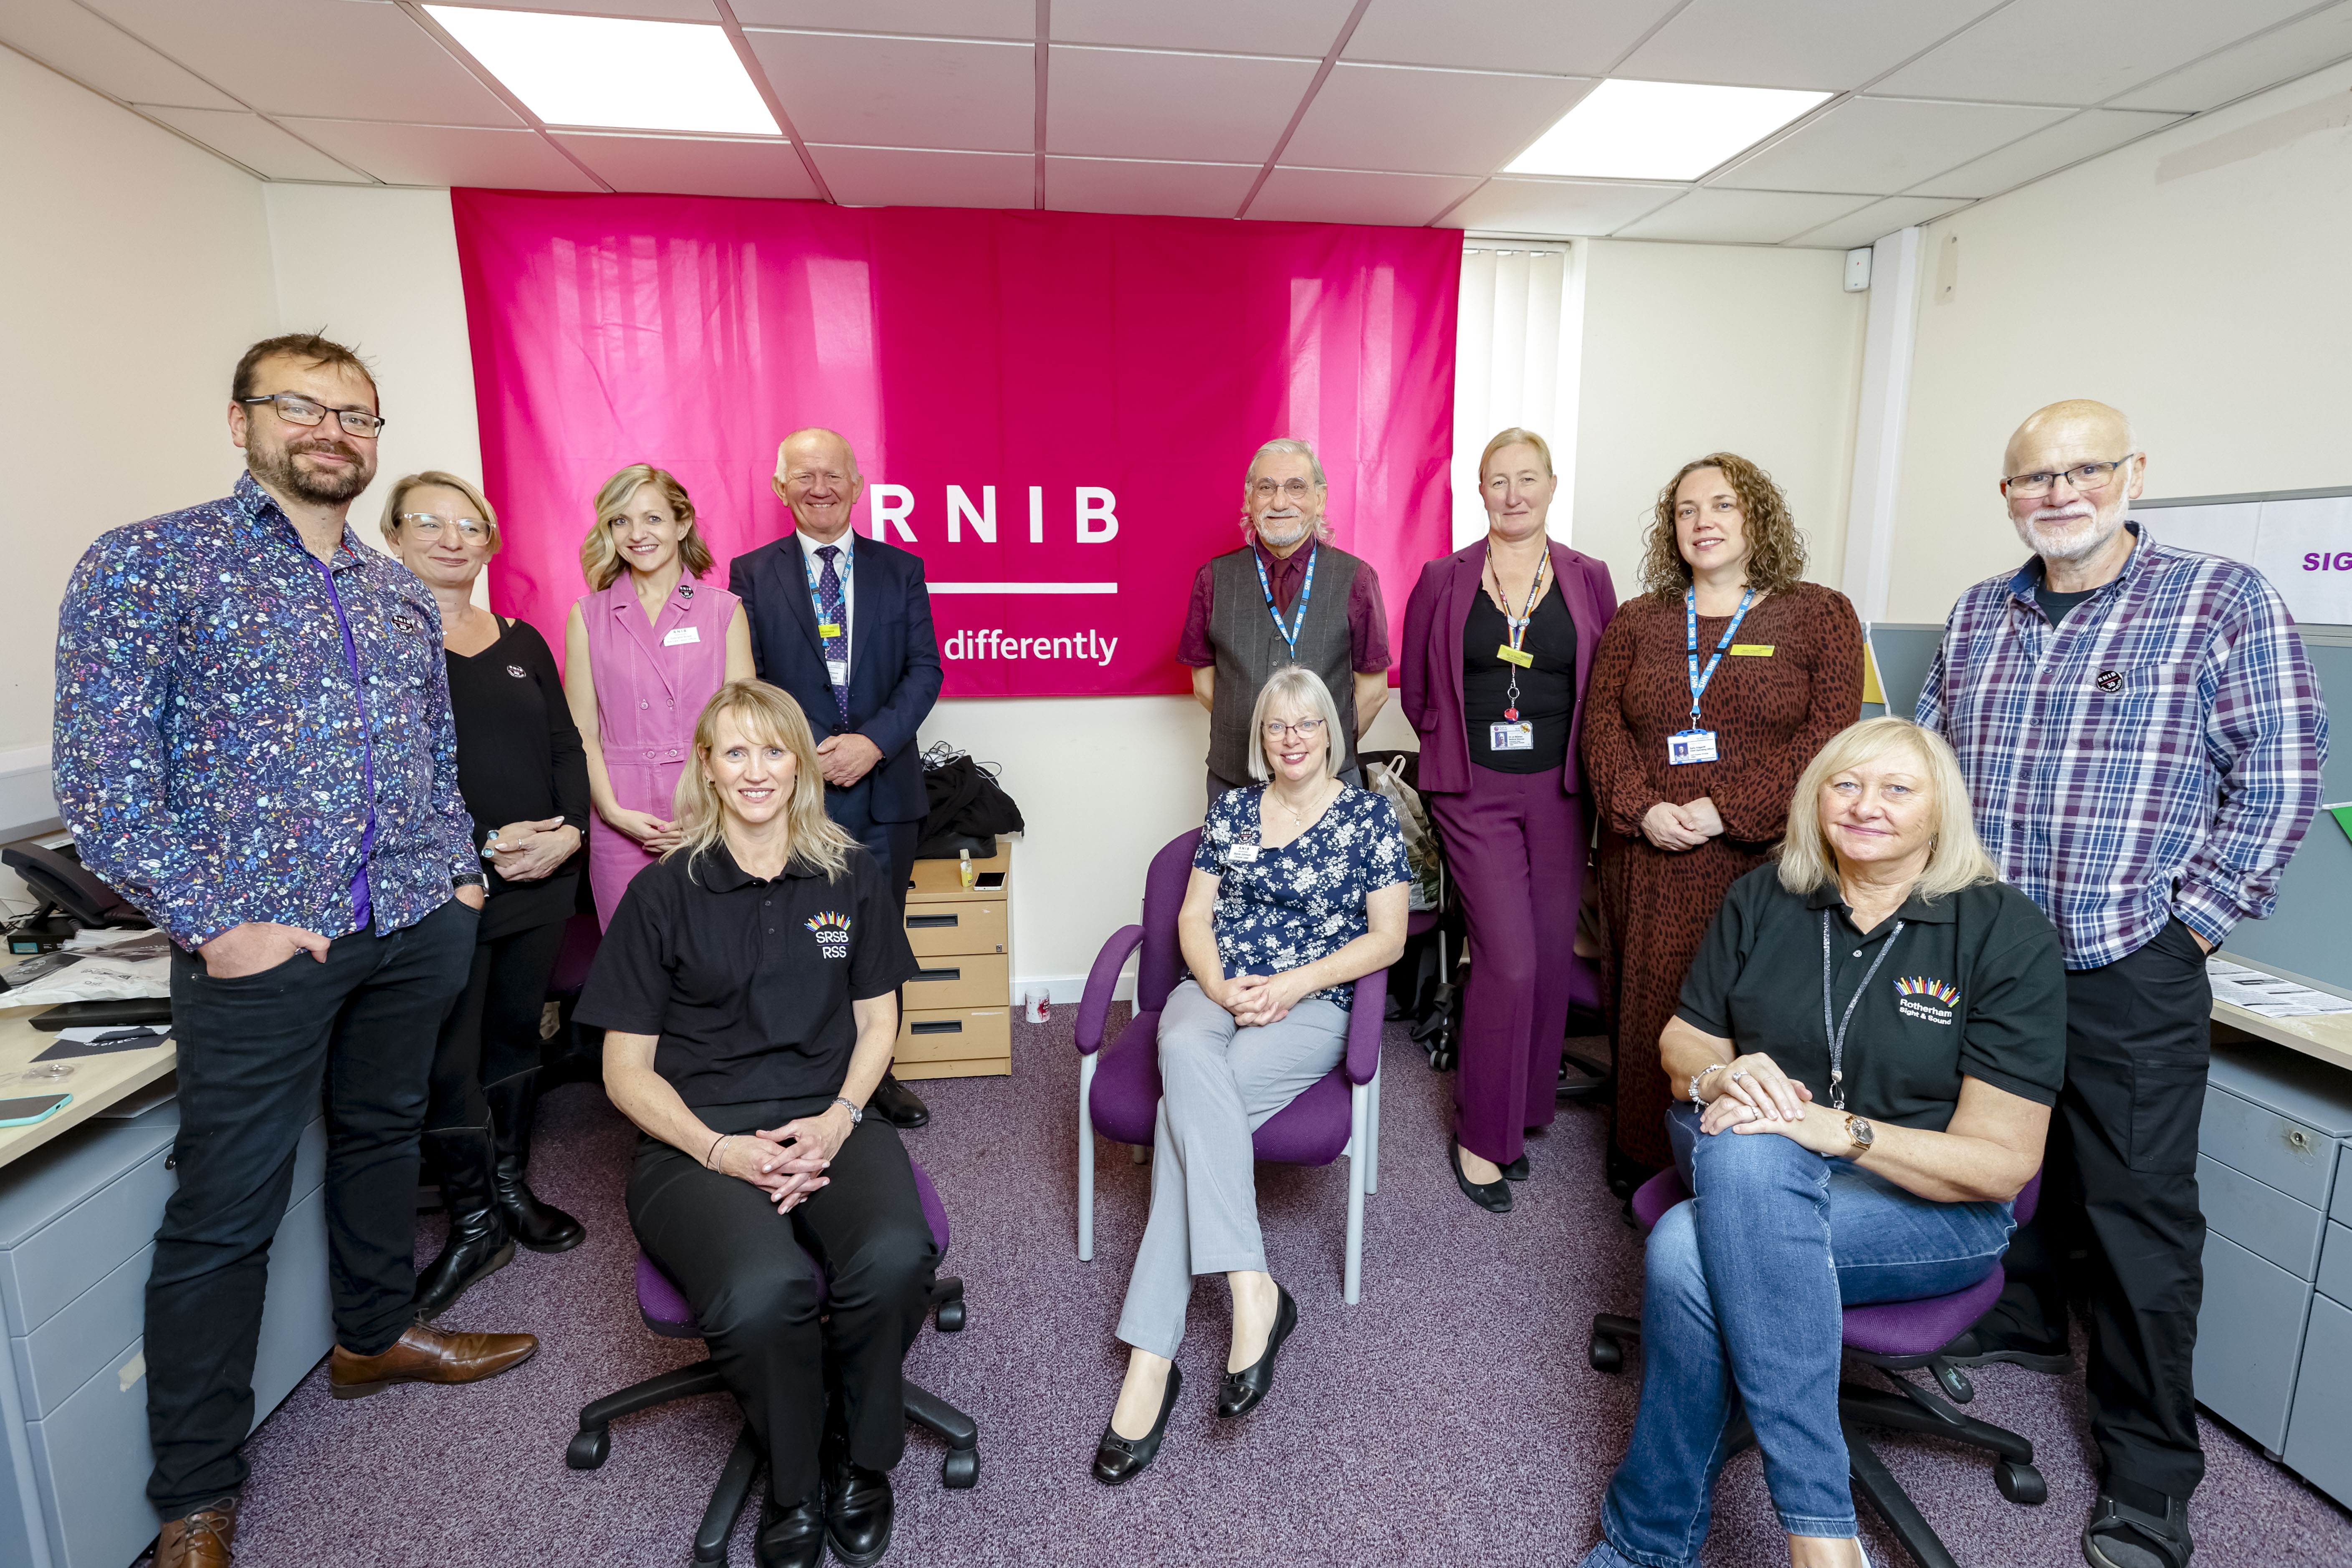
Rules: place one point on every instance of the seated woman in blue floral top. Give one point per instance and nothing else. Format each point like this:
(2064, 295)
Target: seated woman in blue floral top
(1297, 889)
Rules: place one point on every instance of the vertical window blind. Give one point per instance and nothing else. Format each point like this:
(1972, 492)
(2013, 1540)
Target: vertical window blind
(1516, 351)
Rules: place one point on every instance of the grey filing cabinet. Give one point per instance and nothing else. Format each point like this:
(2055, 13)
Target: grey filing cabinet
(2274, 1336)
(78, 1222)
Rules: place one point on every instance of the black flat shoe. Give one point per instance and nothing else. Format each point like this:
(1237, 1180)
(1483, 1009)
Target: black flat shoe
(858, 1512)
(1118, 1459)
(897, 1104)
(1516, 1170)
(1978, 1348)
(790, 1537)
(1242, 1391)
(1495, 1197)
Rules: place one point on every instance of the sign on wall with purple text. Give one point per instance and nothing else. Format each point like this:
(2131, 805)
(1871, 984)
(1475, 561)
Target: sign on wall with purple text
(2300, 540)
(1054, 410)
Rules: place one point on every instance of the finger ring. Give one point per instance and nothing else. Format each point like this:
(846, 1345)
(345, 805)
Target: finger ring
(1737, 1073)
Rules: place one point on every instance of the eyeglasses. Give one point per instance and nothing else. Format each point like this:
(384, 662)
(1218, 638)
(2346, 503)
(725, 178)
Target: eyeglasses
(1289, 489)
(296, 409)
(1306, 729)
(424, 525)
(2084, 477)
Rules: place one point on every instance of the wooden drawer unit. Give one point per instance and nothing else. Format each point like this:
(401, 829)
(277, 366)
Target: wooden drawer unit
(959, 1020)
(947, 979)
(953, 930)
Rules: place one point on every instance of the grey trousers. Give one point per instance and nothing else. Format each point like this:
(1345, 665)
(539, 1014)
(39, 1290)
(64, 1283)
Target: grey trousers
(1218, 1084)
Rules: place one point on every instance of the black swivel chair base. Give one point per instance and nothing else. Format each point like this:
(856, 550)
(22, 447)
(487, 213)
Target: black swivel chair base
(592, 1444)
(1907, 1407)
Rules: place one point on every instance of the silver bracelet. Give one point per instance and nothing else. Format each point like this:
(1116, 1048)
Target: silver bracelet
(1702, 1072)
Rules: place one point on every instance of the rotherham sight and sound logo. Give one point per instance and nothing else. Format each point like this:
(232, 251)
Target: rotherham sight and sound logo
(832, 933)
(1085, 645)
(1921, 994)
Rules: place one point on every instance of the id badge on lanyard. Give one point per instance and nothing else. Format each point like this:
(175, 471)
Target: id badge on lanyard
(1697, 745)
(1515, 733)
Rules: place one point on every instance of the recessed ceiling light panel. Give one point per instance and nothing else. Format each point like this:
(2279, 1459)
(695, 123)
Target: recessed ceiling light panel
(613, 73)
(1660, 130)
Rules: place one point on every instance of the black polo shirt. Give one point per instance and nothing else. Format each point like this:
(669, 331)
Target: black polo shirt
(747, 982)
(1974, 986)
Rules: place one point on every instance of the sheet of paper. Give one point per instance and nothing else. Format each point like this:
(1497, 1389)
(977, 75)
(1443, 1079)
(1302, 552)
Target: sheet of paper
(2259, 991)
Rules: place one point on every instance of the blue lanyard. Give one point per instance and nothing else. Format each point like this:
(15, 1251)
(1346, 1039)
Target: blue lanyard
(1699, 683)
(817, 595)
(1298, 616)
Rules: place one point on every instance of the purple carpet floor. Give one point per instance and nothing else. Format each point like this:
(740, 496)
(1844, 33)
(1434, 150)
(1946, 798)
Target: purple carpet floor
(1447, 1418)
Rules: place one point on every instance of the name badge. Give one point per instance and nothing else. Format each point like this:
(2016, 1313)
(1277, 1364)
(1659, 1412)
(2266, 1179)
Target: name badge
(1241, 854)
(828, 630)
(1510, 655)
(1518, 737)
(682, 634)
(836, 670)
(1751, 649)
(1690, 746)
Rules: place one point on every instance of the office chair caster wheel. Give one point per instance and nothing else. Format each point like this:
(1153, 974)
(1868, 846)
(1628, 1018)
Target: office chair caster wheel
(959, 1472)
(2020, 1483)
(1605, 1355)
(590, 1447)
(949, 1317)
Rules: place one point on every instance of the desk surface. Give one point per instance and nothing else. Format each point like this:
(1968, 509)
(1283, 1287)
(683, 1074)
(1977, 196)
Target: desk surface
(97, 1082)
(2328, 1035)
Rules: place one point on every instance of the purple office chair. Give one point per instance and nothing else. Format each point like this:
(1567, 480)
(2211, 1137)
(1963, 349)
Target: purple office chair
(1895, 1337)
(1119, 1086)
(665, 1312)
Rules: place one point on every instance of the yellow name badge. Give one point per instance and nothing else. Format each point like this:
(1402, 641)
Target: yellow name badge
(1752, 650)
(833, 631)
(1510, 655)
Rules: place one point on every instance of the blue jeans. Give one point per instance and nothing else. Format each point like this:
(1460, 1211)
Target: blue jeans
(1747, 1284)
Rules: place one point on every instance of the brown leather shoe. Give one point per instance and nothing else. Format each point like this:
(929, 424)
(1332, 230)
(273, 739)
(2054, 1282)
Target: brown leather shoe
(425, 1354)
(201, 1540)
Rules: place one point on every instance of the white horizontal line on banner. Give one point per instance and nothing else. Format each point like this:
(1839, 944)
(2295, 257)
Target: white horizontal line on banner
(1023, 587)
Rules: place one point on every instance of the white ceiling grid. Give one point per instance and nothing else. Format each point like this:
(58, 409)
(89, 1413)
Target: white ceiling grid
(1388, 111)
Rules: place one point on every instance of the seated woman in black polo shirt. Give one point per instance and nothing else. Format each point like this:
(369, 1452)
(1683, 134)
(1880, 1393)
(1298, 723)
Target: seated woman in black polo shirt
(1869, 1041)
(747, 987)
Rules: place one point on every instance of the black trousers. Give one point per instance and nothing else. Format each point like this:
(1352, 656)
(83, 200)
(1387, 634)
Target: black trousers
(2119, 1228)
(891, 843)
(747, 1271)
(255, 1054)
(492, 1031)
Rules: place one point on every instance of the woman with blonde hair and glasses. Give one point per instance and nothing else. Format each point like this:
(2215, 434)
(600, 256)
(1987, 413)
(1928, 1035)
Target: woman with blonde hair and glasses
(1864, 1057)
(1710, 693)
(644, 649)
(747, 990)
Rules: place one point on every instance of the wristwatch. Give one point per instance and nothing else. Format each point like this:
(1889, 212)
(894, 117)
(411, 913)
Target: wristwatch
(856, 1112)
(1860, 1132)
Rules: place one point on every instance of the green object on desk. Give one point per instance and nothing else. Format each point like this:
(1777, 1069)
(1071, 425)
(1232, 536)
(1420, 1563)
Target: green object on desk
(2343, 815)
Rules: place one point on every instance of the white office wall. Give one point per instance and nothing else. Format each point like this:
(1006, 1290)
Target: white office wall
(2196, 280)
(136, 269)
(1691, 349)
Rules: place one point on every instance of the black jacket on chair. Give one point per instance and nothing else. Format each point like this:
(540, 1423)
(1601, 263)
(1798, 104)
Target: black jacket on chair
(894, 655)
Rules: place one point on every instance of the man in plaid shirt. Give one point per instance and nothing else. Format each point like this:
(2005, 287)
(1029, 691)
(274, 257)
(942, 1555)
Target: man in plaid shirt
(2142, 737)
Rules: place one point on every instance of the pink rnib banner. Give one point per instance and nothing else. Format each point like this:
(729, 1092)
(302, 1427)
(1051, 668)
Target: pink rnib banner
(1053, 409)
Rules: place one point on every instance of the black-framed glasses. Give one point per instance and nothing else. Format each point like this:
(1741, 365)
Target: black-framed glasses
(2085, 478)
(1306, 729)
(297, 409)
(424, 525)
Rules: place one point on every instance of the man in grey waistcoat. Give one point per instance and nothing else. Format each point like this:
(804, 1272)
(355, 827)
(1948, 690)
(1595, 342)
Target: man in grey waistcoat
(1287, 596)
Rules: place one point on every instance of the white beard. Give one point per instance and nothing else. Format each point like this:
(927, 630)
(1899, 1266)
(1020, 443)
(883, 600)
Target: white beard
(2081, 538)
(1281, 533)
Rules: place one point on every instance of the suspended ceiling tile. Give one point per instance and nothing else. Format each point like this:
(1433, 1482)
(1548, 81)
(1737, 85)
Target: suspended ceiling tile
(1129, 103)
(931, 19)
(361, 59)
(255, 142)
(1574, 38)
(2080, 51)
(920, 177)
(1833, 45)
(1428, 121)
(1741, 218)
(1566, 208)
(2088, 134)
(1125, 185)
(446, 154)
(1880, 145)
(98, 54)
(1875, 222)
(1228, 27)
(647, 10)
(1339, 195)
(693, 165)
(2275, 57)
(857, 89)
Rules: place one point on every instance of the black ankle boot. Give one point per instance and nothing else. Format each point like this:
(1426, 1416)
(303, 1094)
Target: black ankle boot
(478, 1245)
(540, 1226)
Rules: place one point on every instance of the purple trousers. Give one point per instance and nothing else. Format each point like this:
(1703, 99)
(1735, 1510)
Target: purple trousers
(1515, 847)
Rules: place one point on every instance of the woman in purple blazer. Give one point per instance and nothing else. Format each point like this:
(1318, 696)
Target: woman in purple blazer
(1499, 639)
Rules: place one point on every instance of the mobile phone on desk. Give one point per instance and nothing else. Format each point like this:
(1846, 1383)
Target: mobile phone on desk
(33, 1108)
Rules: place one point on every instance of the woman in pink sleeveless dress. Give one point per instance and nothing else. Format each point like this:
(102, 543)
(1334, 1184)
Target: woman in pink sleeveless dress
(643, 652)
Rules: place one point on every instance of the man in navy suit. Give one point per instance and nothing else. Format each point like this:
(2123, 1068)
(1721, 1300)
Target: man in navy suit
(844, 624)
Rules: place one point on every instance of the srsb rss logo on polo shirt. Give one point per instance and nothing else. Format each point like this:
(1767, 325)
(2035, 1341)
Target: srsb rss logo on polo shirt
(832, 932)
(1930, 1001)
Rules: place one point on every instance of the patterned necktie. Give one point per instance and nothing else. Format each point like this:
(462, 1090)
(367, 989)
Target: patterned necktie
(836, 646)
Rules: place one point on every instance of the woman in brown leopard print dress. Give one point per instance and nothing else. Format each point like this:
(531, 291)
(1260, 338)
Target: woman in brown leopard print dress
(1676, 835)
